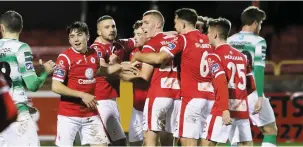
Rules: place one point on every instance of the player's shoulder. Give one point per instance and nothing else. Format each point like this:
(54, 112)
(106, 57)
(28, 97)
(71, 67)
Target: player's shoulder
(14, 44)
(245, 36)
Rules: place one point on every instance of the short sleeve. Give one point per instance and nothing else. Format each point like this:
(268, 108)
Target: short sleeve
(62, 68)
(260, 53)
(215, 65)
(175, 46)
(148, 48)
(25, 60)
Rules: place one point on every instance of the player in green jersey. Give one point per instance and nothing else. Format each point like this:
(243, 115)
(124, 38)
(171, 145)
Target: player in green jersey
(254, 47)
(16, 62)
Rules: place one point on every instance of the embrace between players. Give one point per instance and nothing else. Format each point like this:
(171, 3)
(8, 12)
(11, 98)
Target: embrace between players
(188, 86)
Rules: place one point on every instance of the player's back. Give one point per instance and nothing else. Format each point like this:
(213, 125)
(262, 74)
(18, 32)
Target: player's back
(253, 46)
(235, 66)
(195, 76)
(164, 81)
(12, 53)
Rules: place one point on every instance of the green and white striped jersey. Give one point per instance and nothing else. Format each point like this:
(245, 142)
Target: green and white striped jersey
(19, 57)
(247, 42)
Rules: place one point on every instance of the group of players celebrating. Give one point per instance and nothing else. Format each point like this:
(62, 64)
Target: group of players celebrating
(194, 85)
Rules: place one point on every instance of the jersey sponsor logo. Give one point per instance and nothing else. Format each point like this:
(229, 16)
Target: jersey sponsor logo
(83, 81)
(93, 60)
(205, 86)
(59, 72)
(171, 83)
(214, 67)
(89, 73)
(171, 46)
(237, 105)
(29, 66)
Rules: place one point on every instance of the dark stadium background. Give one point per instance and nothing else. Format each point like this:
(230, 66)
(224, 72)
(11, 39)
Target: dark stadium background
(44, 31)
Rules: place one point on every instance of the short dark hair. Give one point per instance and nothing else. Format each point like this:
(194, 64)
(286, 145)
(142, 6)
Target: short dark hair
(222, 25)
(157, 14)
(12, 21)
(204, 21)
(79, 26)
(104, 17)
(187, 14)
(251, 14)
(137, 24)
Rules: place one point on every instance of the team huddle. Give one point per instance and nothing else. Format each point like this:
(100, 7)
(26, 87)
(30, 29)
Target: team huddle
(195, 85)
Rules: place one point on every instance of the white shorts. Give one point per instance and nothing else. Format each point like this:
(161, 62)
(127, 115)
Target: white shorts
(136, 132)
(110, 116)
(159, 115)
(2, 141)
(90, 130)
(266, 114)
(192, 117)
(218, 132)
(23, 132)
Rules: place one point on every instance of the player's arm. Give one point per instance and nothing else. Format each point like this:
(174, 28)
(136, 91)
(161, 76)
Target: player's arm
(26, 68)
(166, 53)
(259, 65)
(108, 69)
(143, 75)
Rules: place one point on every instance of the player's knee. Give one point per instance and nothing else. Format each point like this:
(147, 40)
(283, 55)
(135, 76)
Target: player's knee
(270, 129)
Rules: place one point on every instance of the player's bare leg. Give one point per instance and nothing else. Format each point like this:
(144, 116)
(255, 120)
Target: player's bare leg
(166, 139)
(152, 138)
(205, 142)
(246, 143)
(270, 132)
(98, 145)
(189, 142)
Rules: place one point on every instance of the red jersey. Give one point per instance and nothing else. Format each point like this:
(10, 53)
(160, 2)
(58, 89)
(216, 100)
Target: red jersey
(78, 72)
(123, 47)
(139, 89)
(194, 75)
(105, 89)
(164, 81)
(110, 89)
(8, 109)
(227, 60)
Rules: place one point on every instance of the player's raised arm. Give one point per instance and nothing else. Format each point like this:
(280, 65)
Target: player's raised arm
(25, 60)
(259, 65)
(144, 74)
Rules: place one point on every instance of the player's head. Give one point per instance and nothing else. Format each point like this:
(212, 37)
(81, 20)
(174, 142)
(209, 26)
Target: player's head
(11, 22)
(153, 22)
(253, 17)
(218, 29)
(78, 35)
(202, 24)
(140, 37)
(185, 18)
(106, 28)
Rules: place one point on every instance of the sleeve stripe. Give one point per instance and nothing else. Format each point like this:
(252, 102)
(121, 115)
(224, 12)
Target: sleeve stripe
(215, 55)
(164, 48)
(66, 59)
(184, 41)
(150, 47)
(4, 89)
(219, 73)
(57, 79)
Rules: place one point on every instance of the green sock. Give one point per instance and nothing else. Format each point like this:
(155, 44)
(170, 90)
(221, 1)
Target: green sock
(270, 139)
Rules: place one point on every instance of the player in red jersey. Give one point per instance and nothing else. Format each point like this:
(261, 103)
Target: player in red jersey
(196, 89)
(111, 53)
(75, 79)
(8, 108)
(230, 110)
(159, 115)
(140, 88)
